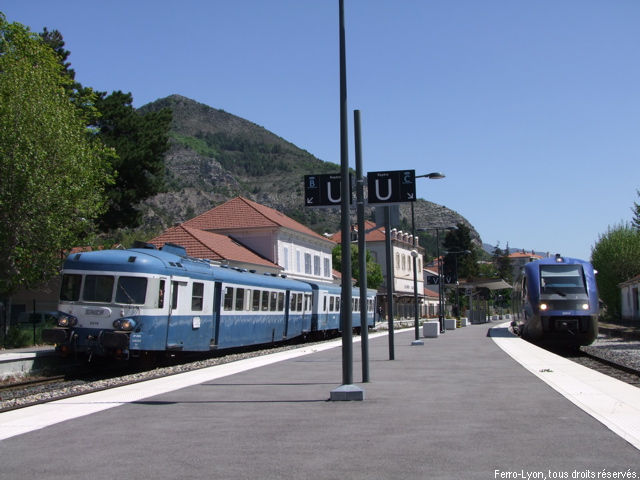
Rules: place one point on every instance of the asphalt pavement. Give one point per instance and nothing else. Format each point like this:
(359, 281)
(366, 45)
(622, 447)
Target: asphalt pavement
(457, 407)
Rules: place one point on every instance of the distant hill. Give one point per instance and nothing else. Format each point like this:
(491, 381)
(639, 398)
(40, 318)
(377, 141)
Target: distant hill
(490, 248)
(215, 156)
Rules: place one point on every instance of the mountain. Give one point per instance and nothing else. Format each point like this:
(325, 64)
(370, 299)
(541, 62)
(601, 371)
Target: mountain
(215, 156)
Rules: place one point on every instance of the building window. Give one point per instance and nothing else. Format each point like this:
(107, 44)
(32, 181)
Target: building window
(298, 265)
(327, 268)
(307, 263)
(316, 265)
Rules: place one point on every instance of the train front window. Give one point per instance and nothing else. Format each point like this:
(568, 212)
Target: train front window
(562, 279)
(131, 290)
(70, 288)
(98, 288)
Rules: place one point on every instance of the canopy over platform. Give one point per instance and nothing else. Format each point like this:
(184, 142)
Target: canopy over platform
(494, 284)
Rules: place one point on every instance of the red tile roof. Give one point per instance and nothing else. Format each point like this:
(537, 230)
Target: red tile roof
(524, 255)
(373, 233)
(430, 293)
(242, 213)
(212, 246)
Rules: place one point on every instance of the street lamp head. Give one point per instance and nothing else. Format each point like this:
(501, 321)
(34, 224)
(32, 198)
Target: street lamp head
(432, 176)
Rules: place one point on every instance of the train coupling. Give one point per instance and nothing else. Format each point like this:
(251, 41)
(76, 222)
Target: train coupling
(567, 325)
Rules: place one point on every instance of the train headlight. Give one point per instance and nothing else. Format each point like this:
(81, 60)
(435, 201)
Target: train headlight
(585, 306)
(126, 324)
(67, 321)
(543, 306)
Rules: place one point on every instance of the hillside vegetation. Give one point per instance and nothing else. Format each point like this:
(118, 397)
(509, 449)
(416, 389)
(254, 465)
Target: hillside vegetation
(215, 156)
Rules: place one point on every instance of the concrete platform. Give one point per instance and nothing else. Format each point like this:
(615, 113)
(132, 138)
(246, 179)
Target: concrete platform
(23, 361)
(457, 408)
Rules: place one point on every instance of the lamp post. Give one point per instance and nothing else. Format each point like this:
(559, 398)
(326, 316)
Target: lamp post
(414, 255)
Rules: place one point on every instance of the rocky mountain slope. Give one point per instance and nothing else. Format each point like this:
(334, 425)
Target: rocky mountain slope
(215, 156)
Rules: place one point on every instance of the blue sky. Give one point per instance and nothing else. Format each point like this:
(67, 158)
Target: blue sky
(530, 109)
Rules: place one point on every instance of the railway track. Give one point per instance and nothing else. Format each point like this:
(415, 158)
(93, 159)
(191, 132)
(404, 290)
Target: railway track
(625, 368)
(623, 373)
(46, 389)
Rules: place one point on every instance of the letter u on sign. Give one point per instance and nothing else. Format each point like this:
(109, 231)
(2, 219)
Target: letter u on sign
(379, 195)
(330, 196)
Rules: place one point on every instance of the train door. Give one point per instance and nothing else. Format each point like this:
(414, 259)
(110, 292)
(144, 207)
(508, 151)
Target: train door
(217, 302)
(287, 300)
(178, 295)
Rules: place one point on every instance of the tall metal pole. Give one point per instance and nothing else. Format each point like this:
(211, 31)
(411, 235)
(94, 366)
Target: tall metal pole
(417, 340)
(347, 391)
(347, 345)
(362, 258)
(440, 266)
(387, 234)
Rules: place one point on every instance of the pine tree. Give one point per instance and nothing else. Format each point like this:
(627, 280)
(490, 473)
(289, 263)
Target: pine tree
(635, 221)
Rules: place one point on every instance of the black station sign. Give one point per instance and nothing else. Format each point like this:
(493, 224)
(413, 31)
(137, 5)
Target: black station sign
(397, 186)
(324, 190)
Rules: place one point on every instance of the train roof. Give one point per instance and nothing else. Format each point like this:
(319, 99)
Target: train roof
(557, 260)
(170, 262)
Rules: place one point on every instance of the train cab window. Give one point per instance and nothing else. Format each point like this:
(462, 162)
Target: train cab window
(131, 290)
(98, 288)
(70, 288)
(281, 301)
(240, 299)
(228, 298)
(337, 304)
(331, 304)
(255, 301)
(197, 296)
(265, 301)
(562, 279)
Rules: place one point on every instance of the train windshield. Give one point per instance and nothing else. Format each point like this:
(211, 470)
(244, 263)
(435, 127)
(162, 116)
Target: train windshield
(70, 288)
(562, 279)
(99, 288)
(131, 290)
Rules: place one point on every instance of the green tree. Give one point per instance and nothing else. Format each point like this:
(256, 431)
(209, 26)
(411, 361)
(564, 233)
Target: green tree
(54, 169)
(635, 221)
(140, 142)
(459, 240)
(502, 263)
(374, 272)
(616, 257)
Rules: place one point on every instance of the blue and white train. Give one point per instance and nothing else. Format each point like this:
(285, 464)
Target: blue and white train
(555, 300)
(125, 303)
